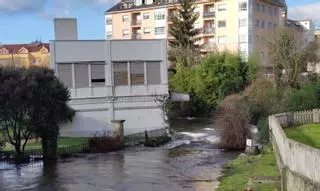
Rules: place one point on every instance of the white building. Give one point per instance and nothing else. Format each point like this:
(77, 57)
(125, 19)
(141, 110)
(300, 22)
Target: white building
(308, 30)
(110, 80)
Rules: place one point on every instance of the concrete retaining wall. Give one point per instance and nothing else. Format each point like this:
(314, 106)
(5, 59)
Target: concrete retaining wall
(299, 164)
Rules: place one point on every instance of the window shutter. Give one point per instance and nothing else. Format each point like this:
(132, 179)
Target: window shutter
(97, 75)
(81, 75)
(153, 73)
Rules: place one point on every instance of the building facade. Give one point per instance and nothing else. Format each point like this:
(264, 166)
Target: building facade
(317, 35)
(108, 81)
(25, 55)
(234, 25)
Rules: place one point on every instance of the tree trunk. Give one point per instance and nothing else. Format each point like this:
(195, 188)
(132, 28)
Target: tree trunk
(49, 148)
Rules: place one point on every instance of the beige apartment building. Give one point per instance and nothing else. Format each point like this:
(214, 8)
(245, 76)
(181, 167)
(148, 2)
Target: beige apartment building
(235, 25)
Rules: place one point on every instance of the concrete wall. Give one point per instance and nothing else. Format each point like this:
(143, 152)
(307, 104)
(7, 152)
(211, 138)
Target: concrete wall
(299, 164)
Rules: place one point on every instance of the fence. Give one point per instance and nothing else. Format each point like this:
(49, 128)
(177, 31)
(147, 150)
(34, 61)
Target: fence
(299, 164)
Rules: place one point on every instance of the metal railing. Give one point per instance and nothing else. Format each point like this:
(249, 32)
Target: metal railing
(208, 30)
(209, 14)
(136, 22)
(136, 36)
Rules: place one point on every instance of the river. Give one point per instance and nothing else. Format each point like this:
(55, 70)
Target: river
(190, 162)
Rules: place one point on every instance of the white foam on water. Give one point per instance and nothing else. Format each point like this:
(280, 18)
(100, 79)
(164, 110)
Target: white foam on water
(174, 144)
(212, 139)
(209, 129)
(194, 135)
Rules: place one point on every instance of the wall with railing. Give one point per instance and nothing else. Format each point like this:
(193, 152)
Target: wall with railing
(298, 163)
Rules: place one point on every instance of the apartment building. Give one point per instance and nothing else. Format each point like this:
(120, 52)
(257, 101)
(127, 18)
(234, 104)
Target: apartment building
(108, 81)
(317, 34)
(234, 25)
(25, 55)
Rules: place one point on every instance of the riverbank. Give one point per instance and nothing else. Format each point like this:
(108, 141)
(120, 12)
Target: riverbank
(260, 172)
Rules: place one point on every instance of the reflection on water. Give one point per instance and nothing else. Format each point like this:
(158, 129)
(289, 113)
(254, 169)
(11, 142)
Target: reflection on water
(192, 163)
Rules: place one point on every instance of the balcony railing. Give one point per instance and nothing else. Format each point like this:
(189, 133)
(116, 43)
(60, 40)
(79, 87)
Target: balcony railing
(136, 36)
(136, 22)
(208, 46)
(208, 30)
(209, 14)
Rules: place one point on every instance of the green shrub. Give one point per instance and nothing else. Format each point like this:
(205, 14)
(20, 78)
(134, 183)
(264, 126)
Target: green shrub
(305, 97)
(263, 127)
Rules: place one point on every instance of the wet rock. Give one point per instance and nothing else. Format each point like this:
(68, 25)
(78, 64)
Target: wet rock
(254, 150)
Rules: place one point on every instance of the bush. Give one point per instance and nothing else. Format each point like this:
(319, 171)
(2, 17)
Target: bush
(233, 123)
(263, 127)
(305, 97)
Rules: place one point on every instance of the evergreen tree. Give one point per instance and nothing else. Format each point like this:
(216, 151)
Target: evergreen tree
(182, 28)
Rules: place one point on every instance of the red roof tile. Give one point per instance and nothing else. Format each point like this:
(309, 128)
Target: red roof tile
(32, 47)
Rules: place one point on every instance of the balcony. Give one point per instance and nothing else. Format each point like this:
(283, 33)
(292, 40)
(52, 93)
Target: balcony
(208, 31)
(136, 36)
(209, 14)
(208, 47)
(136, 22)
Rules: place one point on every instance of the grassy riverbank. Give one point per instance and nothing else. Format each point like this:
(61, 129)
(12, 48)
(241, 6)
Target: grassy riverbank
(63, 142)
(260, 170)
(307, 134)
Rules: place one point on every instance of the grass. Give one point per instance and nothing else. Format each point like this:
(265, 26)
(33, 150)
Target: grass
(261, 170)
(63, 142)
(307, 134)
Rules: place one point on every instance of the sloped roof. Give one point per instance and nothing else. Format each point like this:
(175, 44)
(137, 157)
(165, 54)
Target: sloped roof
(32, 47)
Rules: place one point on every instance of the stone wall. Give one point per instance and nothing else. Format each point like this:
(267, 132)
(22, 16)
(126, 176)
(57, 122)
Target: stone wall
(299, 164)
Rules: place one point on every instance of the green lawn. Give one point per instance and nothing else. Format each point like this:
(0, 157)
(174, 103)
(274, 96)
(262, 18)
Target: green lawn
(307, 134)
(261, 170)
(63, 142)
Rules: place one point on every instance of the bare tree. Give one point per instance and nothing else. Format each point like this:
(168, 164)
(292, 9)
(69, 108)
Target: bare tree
(287, 52)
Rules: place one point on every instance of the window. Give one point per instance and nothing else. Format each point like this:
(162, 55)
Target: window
(243, 22)
(262, 24)
(153, 73)
(81, 75)
(258, 23)
(269, 25)
(221, 24)
(120, 73)
(159, 30)
(147, 30)
(65, 74)
(262, 55)
(262, 8)
(222, 39)
(109, 21)
(109, 37)
(258, 7)
(125, 32)
(146, 16)
(275, 12)
(137, 73)
(243, 38)
(243, 6)
(98, 78)
(222, 7)
(210, 9)
(197, 25)
(159, 16)
(125, 18)
(270, 11)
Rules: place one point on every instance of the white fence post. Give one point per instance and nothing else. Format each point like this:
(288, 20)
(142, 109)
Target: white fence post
(316, 117)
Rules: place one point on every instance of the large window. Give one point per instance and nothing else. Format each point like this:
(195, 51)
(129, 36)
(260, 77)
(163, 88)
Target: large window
(147, 30)
(120, 73)
(81, 75)
(65, 74)
(125, 32)
(221, 24)
(98, 78)
(146, 16)
(153, 73)
(243, 6)
(109, 21)
(159, 30)
(125, 18)
(222, 7)
(159, 16)
(137, 73)
(262, 24)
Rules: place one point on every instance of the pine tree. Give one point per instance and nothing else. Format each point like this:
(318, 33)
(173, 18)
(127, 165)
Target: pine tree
(182, 28)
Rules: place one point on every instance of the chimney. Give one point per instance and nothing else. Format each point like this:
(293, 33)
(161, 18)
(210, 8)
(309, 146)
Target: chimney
(65, 29)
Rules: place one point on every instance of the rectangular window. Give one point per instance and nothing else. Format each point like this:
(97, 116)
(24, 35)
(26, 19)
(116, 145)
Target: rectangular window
(120, 73)
(153, 73)
(269, 25)
(275, 12)
(257, 23)
(159, 16)
(125, 32)
(243, 22)
(270, 10)
(65, 74)
(243, 38)
(109, 37)
(81, 75)
(275, 25)
(147, 30)
(159, 30)
(137, 73)
(197, 25)
(243, 6)
(211, 9)
(109, 21)
(125, 18)
(262, 8)
(98, 78)
(222, 7)
(262, 24)
(146, 16)
(221, 24)
(222, 39)
(258, 7)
